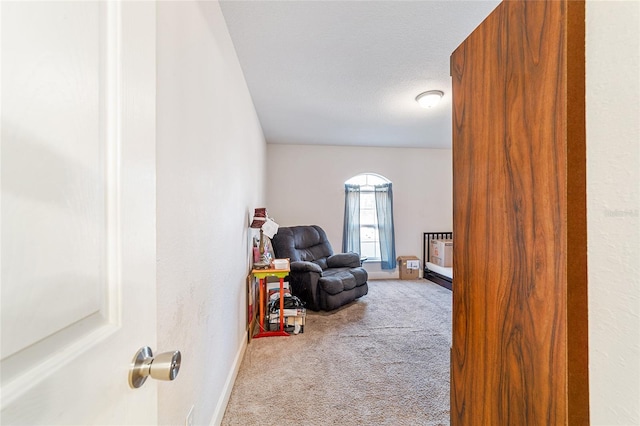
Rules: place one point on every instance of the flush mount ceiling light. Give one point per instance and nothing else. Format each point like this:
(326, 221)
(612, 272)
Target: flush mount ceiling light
(429, 99)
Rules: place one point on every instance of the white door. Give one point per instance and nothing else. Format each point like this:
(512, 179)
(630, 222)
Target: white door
(77, 210)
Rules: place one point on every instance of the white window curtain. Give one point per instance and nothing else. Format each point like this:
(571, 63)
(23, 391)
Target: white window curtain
(351, 227)
(386, 231)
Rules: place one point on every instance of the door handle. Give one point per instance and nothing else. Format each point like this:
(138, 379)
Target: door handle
(164, 366)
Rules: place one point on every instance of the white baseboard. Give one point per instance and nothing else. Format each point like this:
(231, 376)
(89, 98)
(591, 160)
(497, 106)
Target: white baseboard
(381, 275)
(221, 406)
(387, 275)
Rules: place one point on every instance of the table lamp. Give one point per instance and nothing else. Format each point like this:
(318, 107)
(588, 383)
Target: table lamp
(267, 227)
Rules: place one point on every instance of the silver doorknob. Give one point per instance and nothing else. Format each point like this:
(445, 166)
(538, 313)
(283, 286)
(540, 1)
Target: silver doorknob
(164, 366)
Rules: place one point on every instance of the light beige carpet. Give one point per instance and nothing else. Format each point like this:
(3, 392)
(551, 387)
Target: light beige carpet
(382, 360)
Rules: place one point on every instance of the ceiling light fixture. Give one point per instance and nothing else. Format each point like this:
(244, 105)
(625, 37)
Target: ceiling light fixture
(429, 99)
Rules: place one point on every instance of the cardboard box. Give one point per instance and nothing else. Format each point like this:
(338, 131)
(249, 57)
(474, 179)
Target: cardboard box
(409, 267)
(441, 253)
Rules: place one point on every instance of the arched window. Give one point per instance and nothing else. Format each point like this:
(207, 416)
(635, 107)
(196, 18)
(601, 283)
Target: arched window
(368, 219)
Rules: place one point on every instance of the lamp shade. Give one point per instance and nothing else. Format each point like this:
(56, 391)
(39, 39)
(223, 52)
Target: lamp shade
(259, 218)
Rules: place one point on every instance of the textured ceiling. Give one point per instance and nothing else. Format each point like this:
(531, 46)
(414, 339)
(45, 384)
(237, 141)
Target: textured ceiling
(348, 72)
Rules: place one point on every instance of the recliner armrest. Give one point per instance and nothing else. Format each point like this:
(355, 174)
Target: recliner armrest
(341, 260)
(305, 266)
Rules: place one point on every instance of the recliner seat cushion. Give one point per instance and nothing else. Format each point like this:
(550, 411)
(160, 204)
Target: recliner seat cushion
(331, 285)
(360, 274)
(337, 281)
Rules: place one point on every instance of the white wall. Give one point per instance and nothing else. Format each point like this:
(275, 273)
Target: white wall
(210, 174)
(305, 186)
(613, 193)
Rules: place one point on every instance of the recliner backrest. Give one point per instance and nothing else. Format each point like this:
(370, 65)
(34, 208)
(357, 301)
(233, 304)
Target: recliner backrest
(302, 243)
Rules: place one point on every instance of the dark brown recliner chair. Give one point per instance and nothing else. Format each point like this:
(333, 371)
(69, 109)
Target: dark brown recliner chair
(321, 279)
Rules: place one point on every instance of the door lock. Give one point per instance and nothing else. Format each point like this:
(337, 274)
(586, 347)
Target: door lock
(164, 366)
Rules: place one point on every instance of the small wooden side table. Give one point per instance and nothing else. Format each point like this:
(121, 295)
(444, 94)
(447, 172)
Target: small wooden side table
(262, 275)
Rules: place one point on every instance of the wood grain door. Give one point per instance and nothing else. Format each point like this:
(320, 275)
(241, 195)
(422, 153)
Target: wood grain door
(519, 353)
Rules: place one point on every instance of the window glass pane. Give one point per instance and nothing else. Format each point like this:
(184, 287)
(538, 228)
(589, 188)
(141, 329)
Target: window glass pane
(367, 200)
(367, 179)
(368, 234)
(375, 180)
(367, 217)
(358, 180)
(369, 250)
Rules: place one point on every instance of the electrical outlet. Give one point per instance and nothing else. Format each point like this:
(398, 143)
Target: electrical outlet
(189, 420)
